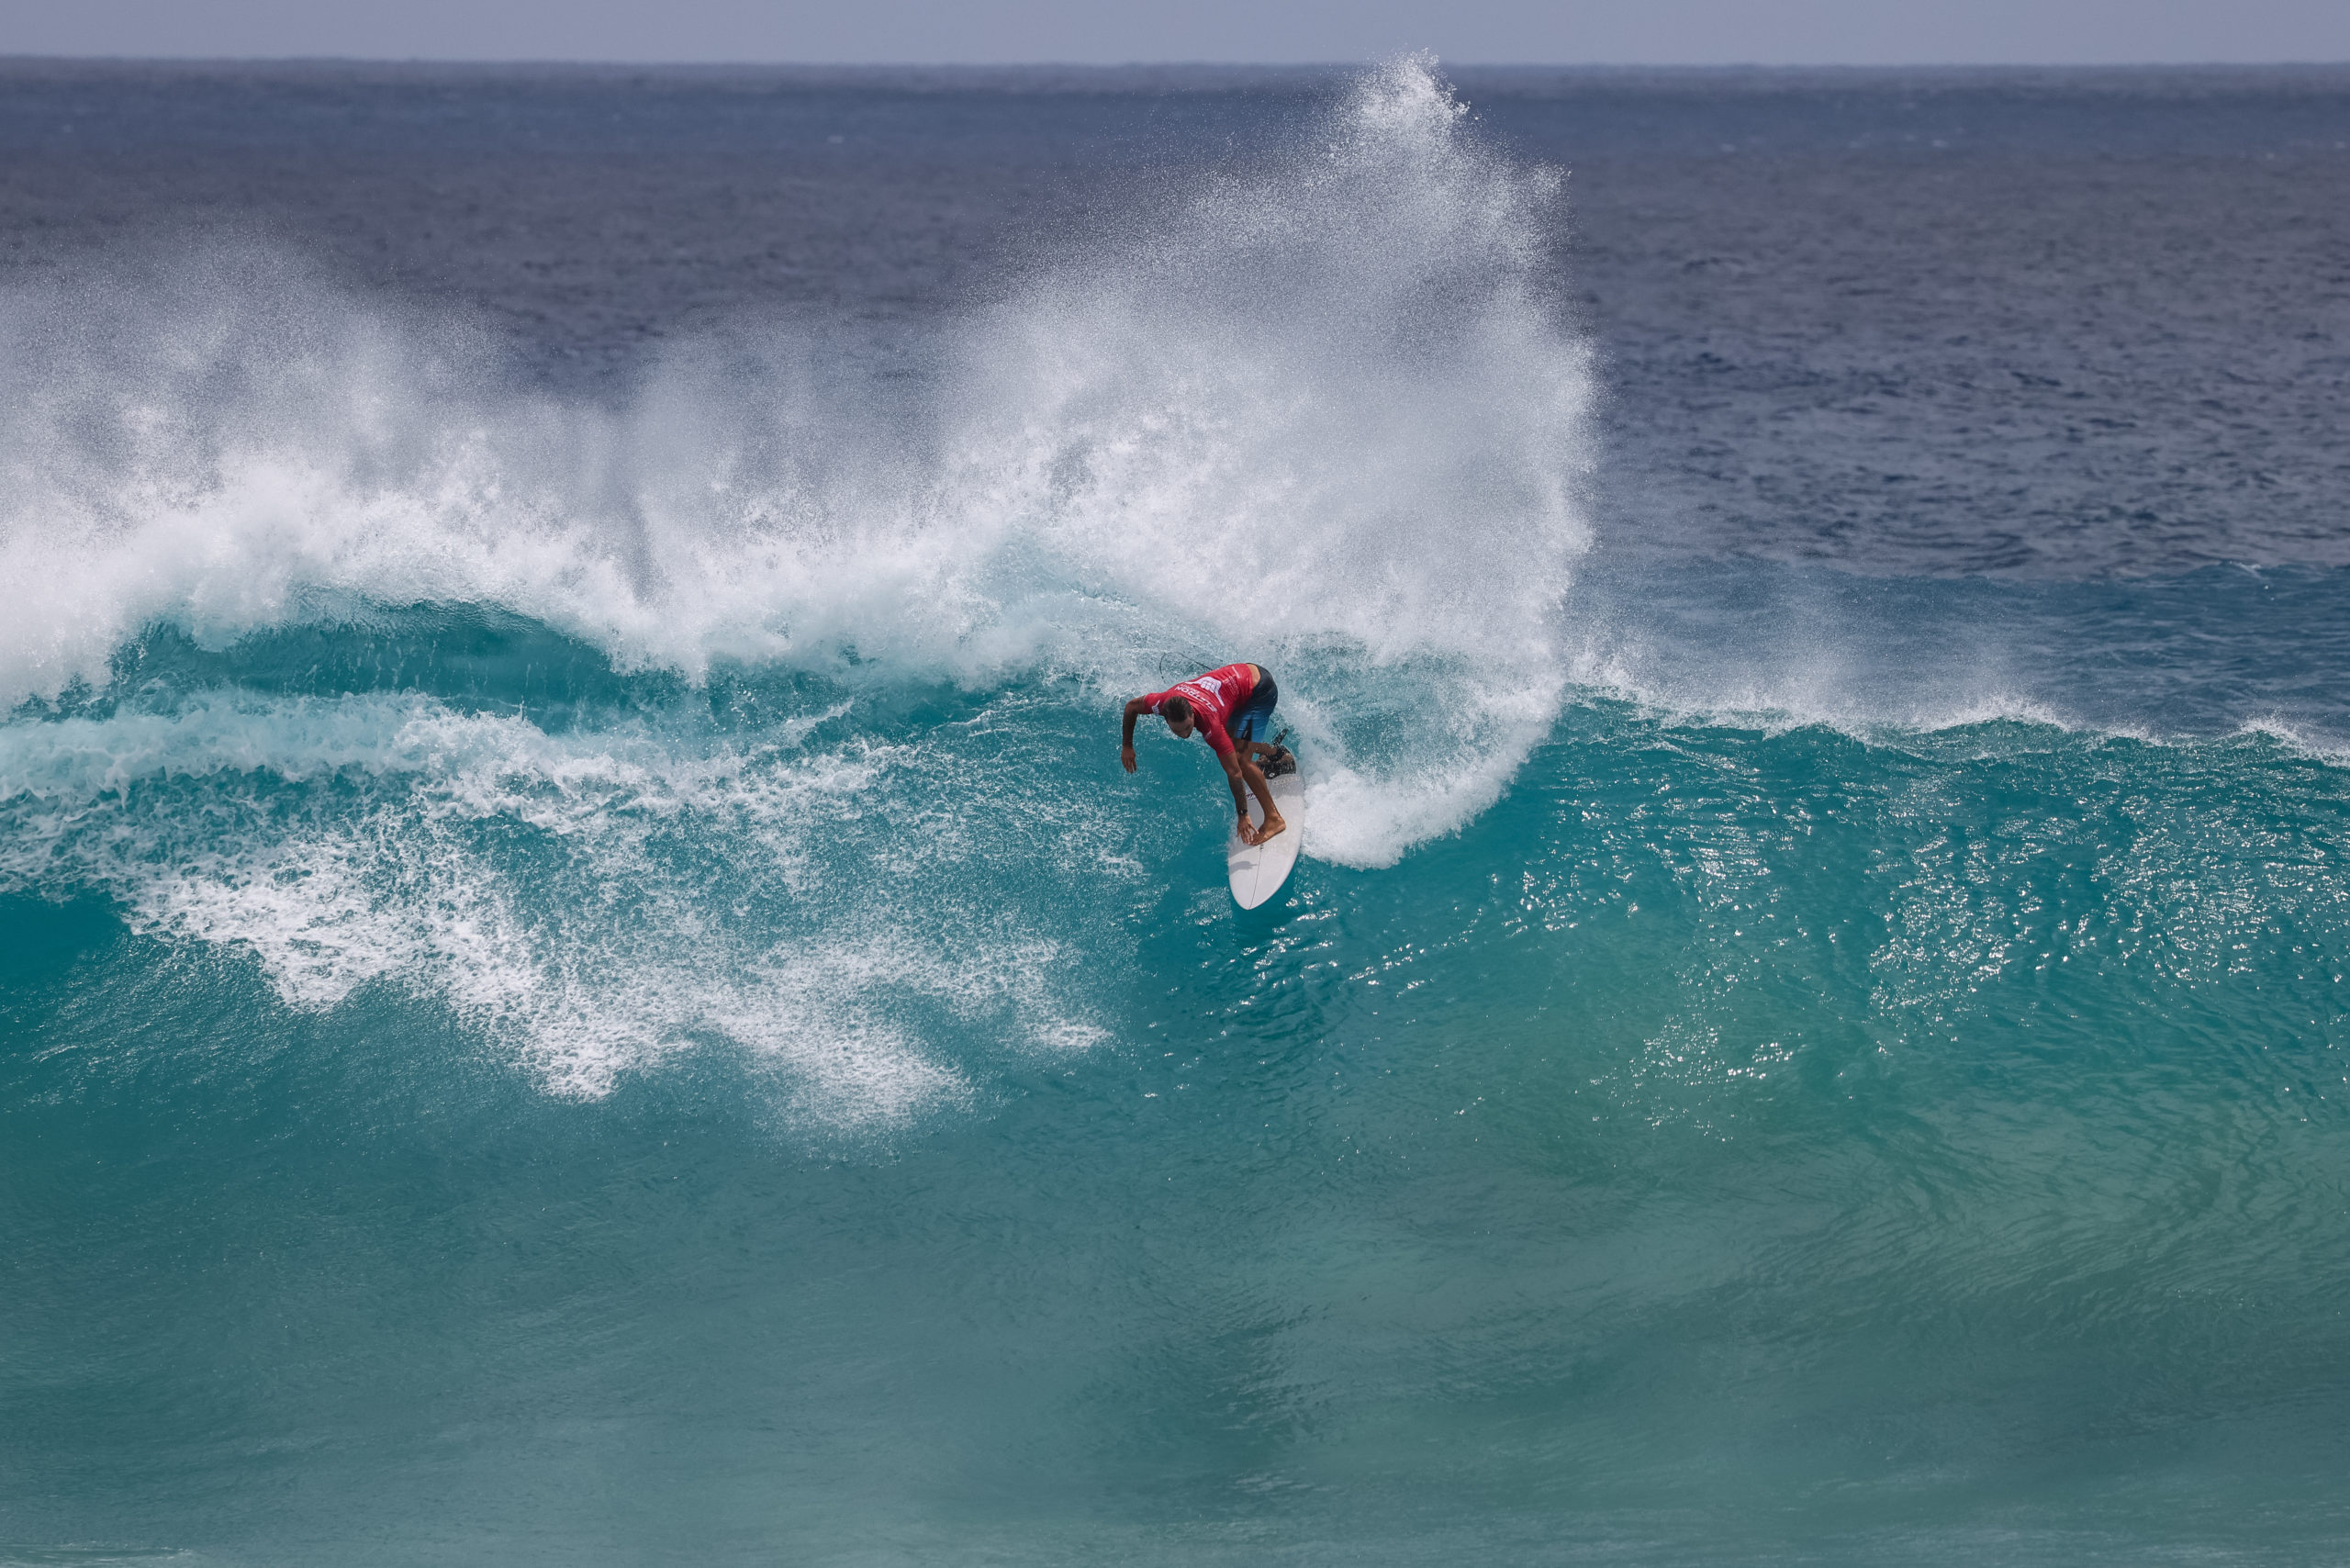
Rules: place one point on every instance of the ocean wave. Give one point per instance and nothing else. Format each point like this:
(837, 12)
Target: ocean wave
(890, 910)
(1318, 411)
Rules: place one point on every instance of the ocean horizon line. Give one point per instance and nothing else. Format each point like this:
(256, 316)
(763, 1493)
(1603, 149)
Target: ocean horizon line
(1204, 75)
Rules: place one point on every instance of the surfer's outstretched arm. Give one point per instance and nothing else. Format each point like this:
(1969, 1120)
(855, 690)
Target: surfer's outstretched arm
(1136, 709)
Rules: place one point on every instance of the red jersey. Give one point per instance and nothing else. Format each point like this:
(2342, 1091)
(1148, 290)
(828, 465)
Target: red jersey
(1214, 697)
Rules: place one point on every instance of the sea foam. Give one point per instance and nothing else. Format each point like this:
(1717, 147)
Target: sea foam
(596, 900)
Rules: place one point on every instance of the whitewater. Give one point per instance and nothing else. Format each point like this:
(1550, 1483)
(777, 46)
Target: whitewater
(583, 983)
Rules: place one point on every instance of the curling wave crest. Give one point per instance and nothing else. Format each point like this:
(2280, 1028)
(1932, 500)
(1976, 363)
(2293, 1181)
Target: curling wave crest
(1318, 413)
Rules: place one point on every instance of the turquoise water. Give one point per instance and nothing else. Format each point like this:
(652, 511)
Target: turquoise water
(581, 983)
(781, 1111)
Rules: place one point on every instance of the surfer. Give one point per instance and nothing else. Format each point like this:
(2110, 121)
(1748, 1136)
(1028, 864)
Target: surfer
(1231, 707)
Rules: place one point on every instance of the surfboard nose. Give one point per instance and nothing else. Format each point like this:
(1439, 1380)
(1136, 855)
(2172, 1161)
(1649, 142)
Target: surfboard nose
(1258, 871)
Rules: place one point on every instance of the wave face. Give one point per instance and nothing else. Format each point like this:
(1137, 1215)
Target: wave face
(583, 983)
(1317, 415)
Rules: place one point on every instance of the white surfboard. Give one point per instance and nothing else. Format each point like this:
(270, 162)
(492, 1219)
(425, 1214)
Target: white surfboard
(1259, 870)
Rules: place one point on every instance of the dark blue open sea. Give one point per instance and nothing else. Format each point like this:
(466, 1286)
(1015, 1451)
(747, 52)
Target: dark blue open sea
(580, 983)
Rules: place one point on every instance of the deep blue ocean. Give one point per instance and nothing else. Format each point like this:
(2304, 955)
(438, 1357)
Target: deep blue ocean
(580, 982)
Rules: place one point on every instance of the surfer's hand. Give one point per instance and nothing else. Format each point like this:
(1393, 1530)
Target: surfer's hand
(1126, 755)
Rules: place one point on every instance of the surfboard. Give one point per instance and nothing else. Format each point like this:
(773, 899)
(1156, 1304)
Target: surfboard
(1259, 870)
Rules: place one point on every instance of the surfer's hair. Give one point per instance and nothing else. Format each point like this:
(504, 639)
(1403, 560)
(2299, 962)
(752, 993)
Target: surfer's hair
(1176, 707)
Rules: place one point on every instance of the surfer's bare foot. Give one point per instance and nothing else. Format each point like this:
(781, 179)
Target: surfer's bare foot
(1272, 829)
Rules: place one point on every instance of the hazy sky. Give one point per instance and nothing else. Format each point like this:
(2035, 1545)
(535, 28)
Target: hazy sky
(981, 31)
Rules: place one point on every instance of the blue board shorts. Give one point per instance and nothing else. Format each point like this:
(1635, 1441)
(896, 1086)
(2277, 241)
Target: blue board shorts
(1253, 722)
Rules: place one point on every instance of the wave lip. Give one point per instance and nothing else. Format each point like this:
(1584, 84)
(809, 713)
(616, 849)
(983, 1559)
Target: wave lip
(1319, 410)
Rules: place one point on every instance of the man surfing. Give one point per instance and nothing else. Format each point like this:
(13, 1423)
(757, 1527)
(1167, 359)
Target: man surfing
(1232, 707)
